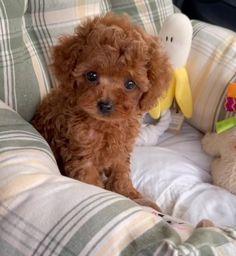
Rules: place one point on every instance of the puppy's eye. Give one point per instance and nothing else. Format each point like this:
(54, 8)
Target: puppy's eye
(130, 85)
(92, 76)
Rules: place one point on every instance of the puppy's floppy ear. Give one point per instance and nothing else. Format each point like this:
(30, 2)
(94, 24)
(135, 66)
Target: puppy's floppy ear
(65, 56)
(159, 73)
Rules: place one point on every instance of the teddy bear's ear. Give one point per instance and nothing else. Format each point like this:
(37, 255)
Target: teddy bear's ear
(159, 73)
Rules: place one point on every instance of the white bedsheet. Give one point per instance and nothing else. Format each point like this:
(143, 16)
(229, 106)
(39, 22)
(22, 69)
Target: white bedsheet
(176, 174)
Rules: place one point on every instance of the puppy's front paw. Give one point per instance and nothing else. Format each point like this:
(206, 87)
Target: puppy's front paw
(148, 203)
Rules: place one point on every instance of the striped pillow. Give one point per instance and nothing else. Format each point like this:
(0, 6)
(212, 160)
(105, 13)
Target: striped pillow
(44, 213)
(30, 28)
(22, 66)
(211, 66)
(150, 14)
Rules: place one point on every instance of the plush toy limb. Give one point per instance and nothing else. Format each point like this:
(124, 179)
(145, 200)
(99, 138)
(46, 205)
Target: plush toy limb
(210, 144)
(150, 134)
(183, 93)
(216, 168)
(223, 173)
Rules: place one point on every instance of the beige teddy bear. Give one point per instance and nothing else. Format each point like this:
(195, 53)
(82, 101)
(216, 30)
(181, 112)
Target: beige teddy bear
(223, 148)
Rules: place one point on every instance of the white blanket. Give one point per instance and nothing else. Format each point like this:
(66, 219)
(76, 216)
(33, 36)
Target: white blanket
(176, 174)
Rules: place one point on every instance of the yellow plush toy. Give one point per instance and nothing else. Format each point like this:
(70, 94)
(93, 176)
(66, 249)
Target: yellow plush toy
(176, 37)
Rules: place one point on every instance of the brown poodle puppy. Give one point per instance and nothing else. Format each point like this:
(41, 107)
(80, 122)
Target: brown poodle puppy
(110, 72)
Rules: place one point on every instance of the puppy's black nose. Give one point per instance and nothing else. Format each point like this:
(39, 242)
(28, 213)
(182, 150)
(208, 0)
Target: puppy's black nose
(105, 107)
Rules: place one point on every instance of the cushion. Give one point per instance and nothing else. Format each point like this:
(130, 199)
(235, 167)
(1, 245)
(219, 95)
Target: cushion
(44, 213)
(22, 67)
(211, 66)
(175, 173)
(30, 28)
(150, 14)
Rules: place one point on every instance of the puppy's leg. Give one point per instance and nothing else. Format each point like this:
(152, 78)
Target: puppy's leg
(120, 182)
(83, 171)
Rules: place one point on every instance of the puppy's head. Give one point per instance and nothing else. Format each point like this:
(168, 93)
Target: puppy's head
(111, 68)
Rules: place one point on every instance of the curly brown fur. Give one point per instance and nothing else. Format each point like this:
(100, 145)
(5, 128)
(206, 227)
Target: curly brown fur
(90, 139)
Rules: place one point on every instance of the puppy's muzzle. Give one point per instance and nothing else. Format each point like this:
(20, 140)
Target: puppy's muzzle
(105, 107)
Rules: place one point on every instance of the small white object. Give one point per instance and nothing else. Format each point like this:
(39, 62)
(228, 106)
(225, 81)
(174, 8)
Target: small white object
(150, 134)
(176, 37)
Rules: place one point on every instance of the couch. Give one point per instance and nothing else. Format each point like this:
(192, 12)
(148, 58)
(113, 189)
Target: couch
(45, 213)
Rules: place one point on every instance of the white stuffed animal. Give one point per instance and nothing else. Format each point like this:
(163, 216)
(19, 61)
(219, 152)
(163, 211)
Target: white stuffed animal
(176, 38)
(223, 148)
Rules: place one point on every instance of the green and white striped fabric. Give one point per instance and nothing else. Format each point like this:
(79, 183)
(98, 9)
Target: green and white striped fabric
(44, 213)
(211, 66)
(29, 28)
(150, 14)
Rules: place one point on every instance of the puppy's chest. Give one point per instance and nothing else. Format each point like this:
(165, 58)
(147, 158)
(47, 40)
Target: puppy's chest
(107, 142)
